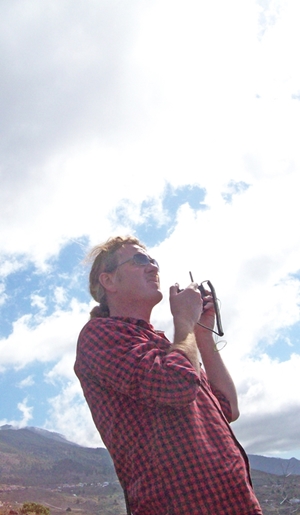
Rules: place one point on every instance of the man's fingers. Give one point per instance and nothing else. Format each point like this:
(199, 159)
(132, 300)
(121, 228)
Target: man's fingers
(174, 289)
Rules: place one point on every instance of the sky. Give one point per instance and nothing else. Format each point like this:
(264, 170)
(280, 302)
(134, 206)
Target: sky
(178, 122)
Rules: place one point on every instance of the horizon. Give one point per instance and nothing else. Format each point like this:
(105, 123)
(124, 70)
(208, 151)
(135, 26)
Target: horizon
(7, 427)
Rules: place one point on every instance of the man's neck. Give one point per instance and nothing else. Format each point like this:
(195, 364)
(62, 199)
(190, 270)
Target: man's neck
(138, 312)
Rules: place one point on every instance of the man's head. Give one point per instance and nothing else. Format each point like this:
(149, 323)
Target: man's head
(122, 275)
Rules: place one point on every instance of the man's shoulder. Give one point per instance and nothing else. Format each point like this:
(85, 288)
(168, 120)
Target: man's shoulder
(106, 326)
(101, 332)
(99, 324)
(120, 324)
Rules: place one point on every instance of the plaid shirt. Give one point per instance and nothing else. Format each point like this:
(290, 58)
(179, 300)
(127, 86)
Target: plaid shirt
(166, 429)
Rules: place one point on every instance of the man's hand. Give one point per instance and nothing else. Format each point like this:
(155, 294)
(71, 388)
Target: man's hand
(207, 317)
(186, 306)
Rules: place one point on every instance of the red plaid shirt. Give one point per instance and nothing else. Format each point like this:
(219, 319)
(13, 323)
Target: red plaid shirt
(166, 429)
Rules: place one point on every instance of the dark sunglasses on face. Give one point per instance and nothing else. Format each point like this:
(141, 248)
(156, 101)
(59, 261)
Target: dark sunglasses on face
(140, 259)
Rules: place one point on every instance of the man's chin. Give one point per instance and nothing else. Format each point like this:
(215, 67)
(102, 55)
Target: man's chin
(158, 296)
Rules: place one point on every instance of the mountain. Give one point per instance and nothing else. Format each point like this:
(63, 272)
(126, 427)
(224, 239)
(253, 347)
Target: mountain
(276, 466)
(32, 456)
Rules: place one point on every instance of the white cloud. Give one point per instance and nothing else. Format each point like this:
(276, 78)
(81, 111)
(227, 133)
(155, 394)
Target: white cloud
(27, 415)
(26, 412)
(9, 265)
(60, 296)
(28, 381)
(38, 302)
(63, 368)
(43, 340)
(270, 407)
(3, 295)
(70, 416)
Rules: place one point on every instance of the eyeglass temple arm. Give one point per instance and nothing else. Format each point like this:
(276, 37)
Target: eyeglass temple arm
(216, 304)
(217, 309)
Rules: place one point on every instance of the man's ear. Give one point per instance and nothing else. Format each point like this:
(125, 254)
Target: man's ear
(107, 280)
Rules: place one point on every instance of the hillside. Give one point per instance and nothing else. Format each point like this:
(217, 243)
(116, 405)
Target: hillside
(32, 457)
(277, 466)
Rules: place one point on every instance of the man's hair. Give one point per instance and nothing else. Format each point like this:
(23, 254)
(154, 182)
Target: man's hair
(104, 259)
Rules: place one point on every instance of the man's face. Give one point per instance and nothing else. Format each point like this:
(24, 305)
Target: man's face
(134, 281)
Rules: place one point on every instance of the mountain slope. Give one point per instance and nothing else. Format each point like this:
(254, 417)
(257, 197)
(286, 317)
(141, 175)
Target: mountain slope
(30, 456)
(277, 466)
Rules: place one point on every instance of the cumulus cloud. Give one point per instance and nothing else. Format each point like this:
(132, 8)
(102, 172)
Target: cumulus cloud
(42, 340)
(39, 302)
(26, 415)
(28, 381)
(69, 415)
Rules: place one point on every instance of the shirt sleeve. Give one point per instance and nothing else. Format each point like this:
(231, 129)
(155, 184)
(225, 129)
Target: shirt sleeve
(224, 403)
(119, 358)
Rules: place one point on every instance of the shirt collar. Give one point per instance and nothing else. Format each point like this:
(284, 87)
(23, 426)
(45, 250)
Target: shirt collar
(140, 323)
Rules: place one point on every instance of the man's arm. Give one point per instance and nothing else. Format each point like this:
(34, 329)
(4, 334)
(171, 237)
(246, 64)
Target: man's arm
(215, 369)
(135, 361)
(186, 308)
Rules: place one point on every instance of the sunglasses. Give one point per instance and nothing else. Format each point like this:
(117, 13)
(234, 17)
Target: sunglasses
(140, 259)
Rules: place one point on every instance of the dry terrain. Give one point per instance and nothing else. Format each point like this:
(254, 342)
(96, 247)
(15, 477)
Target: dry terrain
(277, 495)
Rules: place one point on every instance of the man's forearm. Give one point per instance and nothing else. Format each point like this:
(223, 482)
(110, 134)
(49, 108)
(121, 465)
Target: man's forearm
(186, 343)
(215, 369)
(186, 308)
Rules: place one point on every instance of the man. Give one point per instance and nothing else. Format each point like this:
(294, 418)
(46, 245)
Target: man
(163, 419)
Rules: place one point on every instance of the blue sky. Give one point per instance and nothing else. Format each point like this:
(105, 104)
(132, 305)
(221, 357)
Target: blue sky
(179, 124)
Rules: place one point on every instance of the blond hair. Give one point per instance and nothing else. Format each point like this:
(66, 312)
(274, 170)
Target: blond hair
(104, 259)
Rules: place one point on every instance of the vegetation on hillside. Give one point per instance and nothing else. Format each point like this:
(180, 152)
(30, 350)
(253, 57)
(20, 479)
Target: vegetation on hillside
(28, 508)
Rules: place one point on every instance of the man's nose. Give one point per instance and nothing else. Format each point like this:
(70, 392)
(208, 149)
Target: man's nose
(151, 265)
